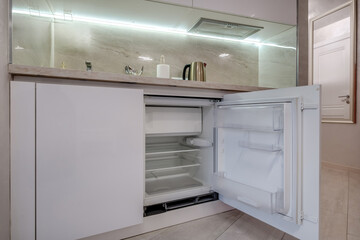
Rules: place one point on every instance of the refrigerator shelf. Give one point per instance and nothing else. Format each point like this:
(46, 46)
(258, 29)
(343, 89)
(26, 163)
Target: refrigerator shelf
(182, 182)
(168, 148)
(169, 163)
(166, 174)
(261, 147)
(240, 127)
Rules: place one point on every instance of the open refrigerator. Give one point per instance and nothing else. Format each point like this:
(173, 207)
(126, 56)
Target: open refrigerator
(257, 152)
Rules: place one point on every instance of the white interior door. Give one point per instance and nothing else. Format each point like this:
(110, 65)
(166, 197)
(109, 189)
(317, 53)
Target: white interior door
(332, 71)
(89, 160)
(333, 61)
(267, 157)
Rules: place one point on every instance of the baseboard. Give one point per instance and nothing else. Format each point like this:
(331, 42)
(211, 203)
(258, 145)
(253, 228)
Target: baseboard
(167, 219)
(338, 166)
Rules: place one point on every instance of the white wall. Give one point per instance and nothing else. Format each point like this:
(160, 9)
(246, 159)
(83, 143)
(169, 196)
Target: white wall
(4, 124)
(340, 142)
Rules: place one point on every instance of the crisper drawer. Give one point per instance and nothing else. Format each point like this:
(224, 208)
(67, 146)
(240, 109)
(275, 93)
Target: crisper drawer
(173, 120)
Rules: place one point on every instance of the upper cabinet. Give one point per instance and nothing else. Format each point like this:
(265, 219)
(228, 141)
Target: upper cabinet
(187, 3)
(281, 11)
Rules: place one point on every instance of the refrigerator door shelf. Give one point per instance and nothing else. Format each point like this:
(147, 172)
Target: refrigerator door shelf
(254, 167)
(254, 197)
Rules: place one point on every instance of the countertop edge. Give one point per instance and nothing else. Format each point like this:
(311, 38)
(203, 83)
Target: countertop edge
(22, 70)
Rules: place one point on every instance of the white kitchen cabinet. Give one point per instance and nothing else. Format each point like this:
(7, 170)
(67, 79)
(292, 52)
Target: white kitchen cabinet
(281, 11)
(22, 115)
(259, 151)
(89, 159)
(186, 3)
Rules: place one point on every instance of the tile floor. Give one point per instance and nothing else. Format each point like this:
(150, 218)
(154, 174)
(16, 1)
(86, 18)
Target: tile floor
(339, 204)
(339, 216)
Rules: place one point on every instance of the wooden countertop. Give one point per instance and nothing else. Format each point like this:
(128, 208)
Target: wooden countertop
(21, 70)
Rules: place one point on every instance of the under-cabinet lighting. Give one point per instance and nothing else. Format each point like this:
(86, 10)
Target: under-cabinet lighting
(224, 55)
(68, 16)
(34, 12)
(253, 40)
(183, 32)
(145, 58)
(19, 48)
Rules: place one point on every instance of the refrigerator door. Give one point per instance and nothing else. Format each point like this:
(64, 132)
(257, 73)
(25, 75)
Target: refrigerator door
(267, 157)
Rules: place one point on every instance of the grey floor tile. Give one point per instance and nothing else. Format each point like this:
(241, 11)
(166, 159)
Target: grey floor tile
(249, 228)
(208, 228)
(288, 237)
(147, 236)
(333, 203)
(333, 226)
(351, 237)
(334, 190)
(354, 204)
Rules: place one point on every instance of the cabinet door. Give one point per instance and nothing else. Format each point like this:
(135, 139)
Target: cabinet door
(267, 157)
(89, 160)
(187, 3)
(281, 11)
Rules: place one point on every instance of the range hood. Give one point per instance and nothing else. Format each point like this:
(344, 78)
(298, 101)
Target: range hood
(223, 28)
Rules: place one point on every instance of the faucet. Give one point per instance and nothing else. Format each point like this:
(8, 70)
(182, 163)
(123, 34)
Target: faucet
(130, 71)
(88, 65)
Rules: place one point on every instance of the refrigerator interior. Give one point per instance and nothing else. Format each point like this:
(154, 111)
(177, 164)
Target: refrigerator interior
(249, 157)
(179, 150)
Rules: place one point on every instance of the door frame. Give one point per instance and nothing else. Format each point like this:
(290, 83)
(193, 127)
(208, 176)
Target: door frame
(353, 60)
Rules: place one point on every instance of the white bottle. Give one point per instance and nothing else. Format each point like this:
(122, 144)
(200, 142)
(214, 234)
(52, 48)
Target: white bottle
(162, 69)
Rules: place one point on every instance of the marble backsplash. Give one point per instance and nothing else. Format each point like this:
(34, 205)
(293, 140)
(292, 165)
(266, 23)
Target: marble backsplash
(277, 66)
(31, 41)
(110, 49)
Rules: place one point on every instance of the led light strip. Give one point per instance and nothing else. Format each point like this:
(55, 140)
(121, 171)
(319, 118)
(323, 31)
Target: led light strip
(183, 32)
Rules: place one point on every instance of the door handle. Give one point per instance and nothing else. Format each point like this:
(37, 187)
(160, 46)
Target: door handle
(346, 98)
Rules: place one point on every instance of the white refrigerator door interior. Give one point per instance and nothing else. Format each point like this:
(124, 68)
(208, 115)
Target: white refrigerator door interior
(267, 157)
(253, 155)
(89, 160)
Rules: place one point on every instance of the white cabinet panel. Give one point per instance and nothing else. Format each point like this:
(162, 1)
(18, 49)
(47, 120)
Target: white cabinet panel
(22, 160)
(90, 160)
(187, 3)
(281, 11)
